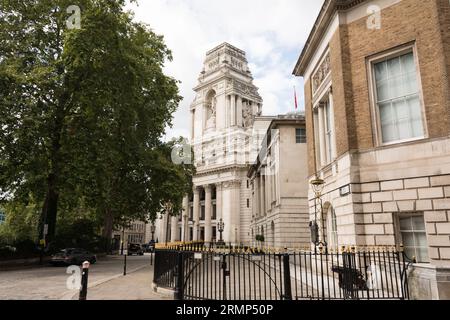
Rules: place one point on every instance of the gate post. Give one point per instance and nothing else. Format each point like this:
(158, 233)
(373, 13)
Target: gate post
(349, 275)
(287, 278)
(179, 286)
(224, 276)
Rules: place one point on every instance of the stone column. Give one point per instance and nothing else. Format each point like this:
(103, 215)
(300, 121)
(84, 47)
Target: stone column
(333, 128)
(233, 110)
(257, 203)
(185, 219)
(239, 112)
(323, 155)
(192, 125)
(218, 201)
(164, 230)
(174, 229)
(208, 214)
(196, 213)
(228, 111)
(263, 194)
(235, 211)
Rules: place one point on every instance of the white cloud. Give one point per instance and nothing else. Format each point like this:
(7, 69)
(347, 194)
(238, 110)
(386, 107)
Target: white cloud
(272, 32)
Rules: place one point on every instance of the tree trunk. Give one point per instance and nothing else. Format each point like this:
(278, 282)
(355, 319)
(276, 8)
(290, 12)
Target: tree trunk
(108, 224)
(50, 208)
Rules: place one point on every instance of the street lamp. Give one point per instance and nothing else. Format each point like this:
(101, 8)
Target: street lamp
(123, 240)
(220, 227)
(317, 185)
(152, 230)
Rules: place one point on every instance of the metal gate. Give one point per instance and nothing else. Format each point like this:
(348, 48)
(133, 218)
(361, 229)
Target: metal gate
(252, 275)
(231, 277)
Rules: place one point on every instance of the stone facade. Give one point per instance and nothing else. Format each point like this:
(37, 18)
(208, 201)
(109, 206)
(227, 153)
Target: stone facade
(227, 128)
(136, 233)
(279, 194)
(384, 182)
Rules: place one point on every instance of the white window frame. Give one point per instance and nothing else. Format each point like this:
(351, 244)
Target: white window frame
(333, 235)
(375, 112)
(398, 231)
(323, 103)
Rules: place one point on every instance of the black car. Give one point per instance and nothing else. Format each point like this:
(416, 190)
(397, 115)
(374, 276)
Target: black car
(73, 256)
(134, 248)
(149, 247)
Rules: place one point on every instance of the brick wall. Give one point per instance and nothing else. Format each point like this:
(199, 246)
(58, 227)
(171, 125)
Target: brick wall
(444, 23)
(342, 91)
(408, 21)
(425, 22)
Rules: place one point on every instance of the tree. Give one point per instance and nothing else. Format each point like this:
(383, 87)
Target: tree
(82, 110)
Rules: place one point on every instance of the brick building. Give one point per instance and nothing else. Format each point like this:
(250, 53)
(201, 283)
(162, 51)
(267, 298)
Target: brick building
(377, 100)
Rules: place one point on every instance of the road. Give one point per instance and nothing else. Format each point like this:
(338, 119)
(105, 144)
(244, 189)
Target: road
(49, 283)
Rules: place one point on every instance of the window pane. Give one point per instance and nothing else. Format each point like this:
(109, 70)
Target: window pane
(396, 88)
(407, 62)
(410, 83)
(393, 66)
(416, 115)
(403, 119)
(422, 255)
(405, 224)
(421, 239)
(410, 252)
(388, 128)
(408, 239)
(383, 90)
(381, 71)
(396, 82)
(418, 223)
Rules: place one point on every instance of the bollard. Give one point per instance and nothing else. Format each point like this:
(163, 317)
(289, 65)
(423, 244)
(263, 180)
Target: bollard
(287, 277)
(179, 284)
(125, 265)
(84, 280)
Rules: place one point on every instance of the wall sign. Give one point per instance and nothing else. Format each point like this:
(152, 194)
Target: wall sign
(345, 190)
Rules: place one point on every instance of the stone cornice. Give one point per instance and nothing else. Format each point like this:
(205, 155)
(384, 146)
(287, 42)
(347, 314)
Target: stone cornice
(224, 169)
(329, 8)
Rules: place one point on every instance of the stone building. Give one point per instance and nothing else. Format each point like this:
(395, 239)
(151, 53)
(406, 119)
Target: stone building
(226, 131)
(377, 98)
(134, 233)
(279, 185)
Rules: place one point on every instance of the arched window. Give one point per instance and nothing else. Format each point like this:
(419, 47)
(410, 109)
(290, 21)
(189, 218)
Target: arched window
(210, 110)
(332, 228)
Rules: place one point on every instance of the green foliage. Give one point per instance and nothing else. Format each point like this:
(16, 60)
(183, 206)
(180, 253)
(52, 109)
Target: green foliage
(82, 233)
(21, 222)
(82, 113)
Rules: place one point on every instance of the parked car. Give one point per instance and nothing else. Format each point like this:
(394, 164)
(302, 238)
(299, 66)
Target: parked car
(151, 246)
(73, 256)
(135, 248)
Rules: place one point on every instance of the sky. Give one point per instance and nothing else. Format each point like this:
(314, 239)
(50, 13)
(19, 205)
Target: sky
(271, 32)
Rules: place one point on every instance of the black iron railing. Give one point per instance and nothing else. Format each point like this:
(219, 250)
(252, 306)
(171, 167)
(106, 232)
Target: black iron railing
(242, 273)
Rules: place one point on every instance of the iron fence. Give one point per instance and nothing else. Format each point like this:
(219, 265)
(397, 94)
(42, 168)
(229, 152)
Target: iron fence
(241, 273)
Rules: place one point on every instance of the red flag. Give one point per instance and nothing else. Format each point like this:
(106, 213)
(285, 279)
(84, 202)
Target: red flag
(295, 98)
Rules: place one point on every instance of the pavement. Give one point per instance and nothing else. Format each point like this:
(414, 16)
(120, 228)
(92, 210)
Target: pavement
(134, 286)
(49, 283)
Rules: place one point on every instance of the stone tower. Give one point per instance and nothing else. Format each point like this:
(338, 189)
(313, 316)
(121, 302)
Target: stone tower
(223, 116)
